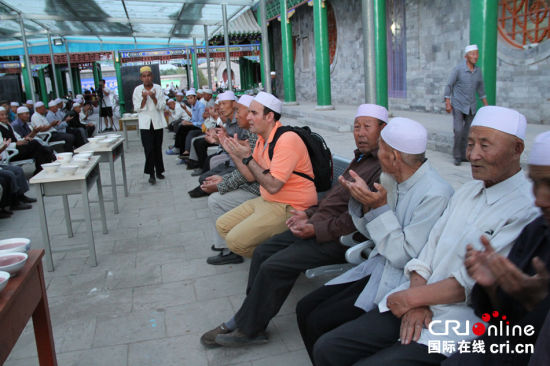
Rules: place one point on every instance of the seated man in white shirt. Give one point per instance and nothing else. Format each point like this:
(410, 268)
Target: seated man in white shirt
(398, 219)
(39, 121)
(497, 204)
(173, 113)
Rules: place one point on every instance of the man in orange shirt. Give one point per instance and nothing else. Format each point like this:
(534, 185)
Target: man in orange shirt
(310, 241)
(281, 190)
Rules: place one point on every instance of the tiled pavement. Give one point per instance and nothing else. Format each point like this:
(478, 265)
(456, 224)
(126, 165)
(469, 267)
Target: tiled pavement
(152, 295)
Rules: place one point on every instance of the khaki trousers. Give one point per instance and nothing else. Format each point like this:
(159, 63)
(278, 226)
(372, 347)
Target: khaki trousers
(249, 224)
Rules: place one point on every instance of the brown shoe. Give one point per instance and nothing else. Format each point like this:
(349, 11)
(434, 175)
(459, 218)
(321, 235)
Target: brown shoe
(208, 339)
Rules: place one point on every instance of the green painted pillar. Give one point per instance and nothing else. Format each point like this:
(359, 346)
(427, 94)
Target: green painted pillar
(95, 72)
(43, 89)
(262, 72)
(242, 73)
(380, 49)
(483, 32)
(76, 80)
(119, 85)
(195, 69)
(59, 81)
(322, 58)
(288, 56)
(60, 78)
(249, 76)
(26, 82)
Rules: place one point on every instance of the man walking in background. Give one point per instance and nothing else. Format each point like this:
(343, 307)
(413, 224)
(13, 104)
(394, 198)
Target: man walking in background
(460, 99)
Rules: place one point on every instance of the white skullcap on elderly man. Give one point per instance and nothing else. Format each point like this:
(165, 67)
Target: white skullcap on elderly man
(190, 92)
(405, 135)
(22, 110)
(470, 48)
(540, 151)
(270, 101)
(245, 100)
(228, 95)
(14, 104)
(39, 104)
(52, 103)
(502, 119)
(30, 101)
(207, 91)
(374, 111)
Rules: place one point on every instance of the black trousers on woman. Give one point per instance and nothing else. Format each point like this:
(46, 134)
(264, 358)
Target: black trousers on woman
(151, 140)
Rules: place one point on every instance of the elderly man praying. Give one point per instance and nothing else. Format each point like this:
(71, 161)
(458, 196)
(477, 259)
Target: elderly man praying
(497, 204)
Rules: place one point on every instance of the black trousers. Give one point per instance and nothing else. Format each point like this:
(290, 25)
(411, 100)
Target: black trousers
(151, 140)
(66, 137)
(201, 148)
(7, 197)
(79, 135)
(276, 264)
(181, 135)
(35, 150)
(327, 308)
(371, 340)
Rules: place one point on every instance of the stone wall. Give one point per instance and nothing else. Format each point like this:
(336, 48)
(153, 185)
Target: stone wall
(436, 33)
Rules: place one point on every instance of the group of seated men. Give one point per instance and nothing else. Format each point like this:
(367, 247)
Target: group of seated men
(25, 137)
(448, 275)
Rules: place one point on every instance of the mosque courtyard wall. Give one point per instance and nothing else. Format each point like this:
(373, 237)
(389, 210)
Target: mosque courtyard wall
(429, 38)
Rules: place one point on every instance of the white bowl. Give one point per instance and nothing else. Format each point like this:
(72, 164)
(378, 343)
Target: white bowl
(51, 168)
(82, 162)
(99, 137)
(113, 136)
(107, 142)
(83, 155)
(15, 245)
(65, 157)
(12, 262)
(4, 278)
(68, 169)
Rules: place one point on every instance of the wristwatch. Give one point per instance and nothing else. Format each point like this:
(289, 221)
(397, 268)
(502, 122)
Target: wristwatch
(247, 160)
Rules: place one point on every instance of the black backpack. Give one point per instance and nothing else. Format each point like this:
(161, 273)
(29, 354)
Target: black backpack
(319, 153)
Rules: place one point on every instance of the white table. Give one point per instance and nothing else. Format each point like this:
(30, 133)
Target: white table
(109, 154)
(129, 121)
(57, 184)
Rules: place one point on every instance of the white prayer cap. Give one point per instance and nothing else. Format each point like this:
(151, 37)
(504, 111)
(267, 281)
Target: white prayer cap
(29, 101)
(52, 103)
(269, 101)
(503, 119)
(38, 105)
(190, 92)
(14, 104)
(245, 100)
(207, 91)
(79, 96)
(228, 95)
(22, 110)
(58, 100)
(76, 105)
(472, 47)
(200, 91)
(170, 101)
(2, 109)
(179, 94)
(372, 110)
(540, 151)
(405, 135)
